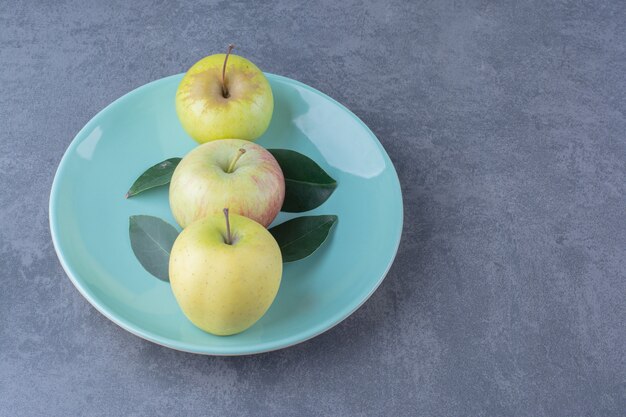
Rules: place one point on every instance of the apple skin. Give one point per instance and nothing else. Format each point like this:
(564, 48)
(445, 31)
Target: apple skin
(207, 115)
(224, 289)
(201, 186)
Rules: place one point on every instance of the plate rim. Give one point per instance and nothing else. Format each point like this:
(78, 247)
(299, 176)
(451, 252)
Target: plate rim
(208, 350)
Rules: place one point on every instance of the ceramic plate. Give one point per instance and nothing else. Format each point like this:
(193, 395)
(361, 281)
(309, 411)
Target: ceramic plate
(89, 217)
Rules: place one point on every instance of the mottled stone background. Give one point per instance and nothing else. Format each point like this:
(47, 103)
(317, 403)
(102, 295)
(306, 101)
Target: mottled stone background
(506, 123)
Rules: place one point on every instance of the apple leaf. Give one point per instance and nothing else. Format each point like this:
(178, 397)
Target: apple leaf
(152, 239)
(155, 176)
(307, 185)
(300, 237)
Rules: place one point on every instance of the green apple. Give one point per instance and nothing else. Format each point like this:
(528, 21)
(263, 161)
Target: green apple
(225, 272)
(233, 173)
(221, 98)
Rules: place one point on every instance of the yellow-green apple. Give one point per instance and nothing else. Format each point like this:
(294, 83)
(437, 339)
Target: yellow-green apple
(221, 98)
(233, 173)
(225, 272)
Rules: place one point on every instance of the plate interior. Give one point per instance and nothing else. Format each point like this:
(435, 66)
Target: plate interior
(89, 217)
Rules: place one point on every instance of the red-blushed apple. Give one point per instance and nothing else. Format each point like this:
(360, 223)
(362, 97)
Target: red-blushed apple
(224, 96)
(233, 173)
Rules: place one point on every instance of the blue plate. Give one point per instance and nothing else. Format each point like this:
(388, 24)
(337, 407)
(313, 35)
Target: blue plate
(89, 217)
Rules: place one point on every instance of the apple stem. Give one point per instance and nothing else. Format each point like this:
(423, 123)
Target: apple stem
(235, 159)
(224, 88)
(229, 239)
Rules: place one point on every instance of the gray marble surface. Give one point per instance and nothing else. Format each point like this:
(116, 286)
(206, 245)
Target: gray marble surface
(506, 123)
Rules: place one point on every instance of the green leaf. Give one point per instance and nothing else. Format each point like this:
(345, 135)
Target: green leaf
(300, 237)
(307, 185)
(155, 176)
(151, 239)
